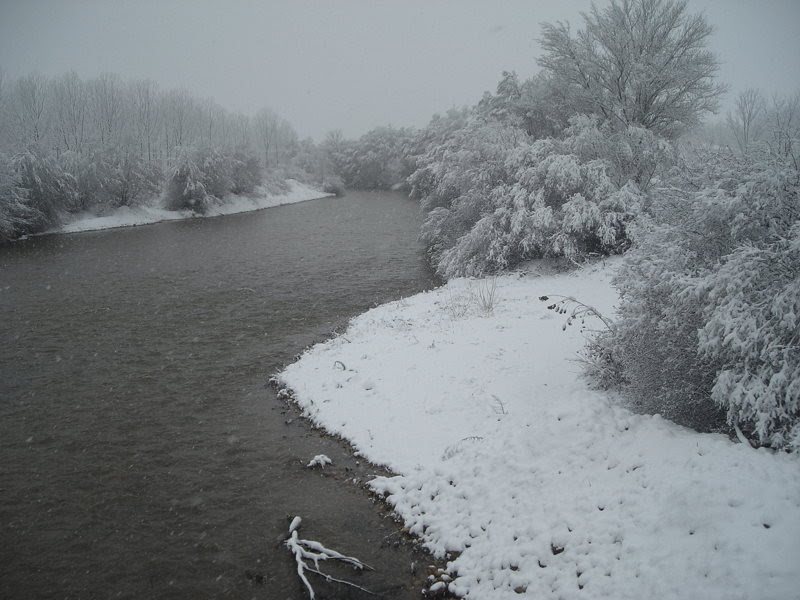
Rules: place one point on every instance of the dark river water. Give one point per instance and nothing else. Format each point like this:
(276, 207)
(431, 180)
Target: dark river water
(141, 453)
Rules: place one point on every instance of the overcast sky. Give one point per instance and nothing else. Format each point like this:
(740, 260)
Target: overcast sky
(349, 64)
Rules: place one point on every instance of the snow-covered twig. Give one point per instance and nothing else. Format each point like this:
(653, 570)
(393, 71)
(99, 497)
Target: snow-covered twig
(579, 311)
(310, 550)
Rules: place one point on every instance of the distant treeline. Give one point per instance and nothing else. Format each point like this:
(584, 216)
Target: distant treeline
(70, 145)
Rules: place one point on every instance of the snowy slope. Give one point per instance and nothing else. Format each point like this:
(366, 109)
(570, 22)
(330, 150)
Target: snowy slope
(143, 215)
(528, 480)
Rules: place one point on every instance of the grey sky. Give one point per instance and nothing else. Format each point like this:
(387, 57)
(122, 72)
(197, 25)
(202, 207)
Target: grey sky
(349, 64)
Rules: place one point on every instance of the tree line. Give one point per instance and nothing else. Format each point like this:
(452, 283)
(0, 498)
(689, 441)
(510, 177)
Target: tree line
(605, 152)
(70, 145)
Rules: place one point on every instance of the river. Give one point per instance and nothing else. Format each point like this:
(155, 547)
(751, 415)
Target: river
(142, 454)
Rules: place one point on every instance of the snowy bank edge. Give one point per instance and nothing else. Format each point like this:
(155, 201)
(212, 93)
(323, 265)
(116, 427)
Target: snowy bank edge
(422, 500)
(150, 215)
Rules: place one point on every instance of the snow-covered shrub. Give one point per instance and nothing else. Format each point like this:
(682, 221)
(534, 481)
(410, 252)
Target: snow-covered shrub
(710, 298)
(631, 154)
(752, 328)
(245, 173)
(377, 160)
(655, 340)
(186, 188)
(49, 189)
(454, 183)
(215, 168)
(112, 178)
(87, 172)
(333, 184)
(495, 198)
(16, 212)
(125, 179)
(131, 180)
(211, 173)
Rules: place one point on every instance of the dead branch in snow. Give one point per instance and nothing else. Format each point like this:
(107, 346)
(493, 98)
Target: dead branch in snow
(579, 310)
(310, 550)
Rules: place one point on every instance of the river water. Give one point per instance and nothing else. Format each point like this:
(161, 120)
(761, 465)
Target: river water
(141, 453)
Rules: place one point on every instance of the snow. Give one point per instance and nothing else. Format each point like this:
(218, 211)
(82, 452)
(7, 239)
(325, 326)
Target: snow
(295, 524)
(143, 215)
(527, 480)
(319, 460)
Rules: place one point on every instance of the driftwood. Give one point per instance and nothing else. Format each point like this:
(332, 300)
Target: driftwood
(310, 551)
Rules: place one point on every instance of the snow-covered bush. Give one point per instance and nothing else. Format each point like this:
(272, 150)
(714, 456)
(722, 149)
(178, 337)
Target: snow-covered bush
(494, 198)
(245, 172)
(132, 180)
(333, 184)
(49, 190)
(16, 212)
(752, 328)
(113, 177)
(454, 183)
(225, 172)
(186, 188)
(379, 159)
(211, 173)
(710, 297)
(655, 339)
(632, 153)
(215, 168)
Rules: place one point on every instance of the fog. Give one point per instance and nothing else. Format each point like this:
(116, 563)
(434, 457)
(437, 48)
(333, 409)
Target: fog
(351, 65)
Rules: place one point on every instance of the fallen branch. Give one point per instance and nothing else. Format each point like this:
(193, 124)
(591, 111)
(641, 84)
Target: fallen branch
(310, 550)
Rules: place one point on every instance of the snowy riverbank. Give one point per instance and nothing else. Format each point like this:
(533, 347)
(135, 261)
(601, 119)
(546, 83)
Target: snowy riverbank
(528, 480)
(144, 215)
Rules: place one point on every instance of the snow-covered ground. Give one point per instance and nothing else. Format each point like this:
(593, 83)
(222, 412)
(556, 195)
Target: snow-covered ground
(531, 483)
(143, 215)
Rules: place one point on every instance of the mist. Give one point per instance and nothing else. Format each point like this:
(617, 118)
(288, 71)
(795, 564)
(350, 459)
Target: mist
(351, 65)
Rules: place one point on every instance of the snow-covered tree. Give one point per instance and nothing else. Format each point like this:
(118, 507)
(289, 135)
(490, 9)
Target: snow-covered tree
(636, 62)
(180, 121)
(71, 108)
(266, 124)
(454, 184)
(111, 178)
(379, 159)
(708, 325)
(49, 189)
(494, 197)
(28, 102)
(128, 179)
(245, 174)
(534, 105)
(185, 187)
(752, 329)
(107, 109)
(17, 215)
(145, 115)
(783, 126)
(748, 118)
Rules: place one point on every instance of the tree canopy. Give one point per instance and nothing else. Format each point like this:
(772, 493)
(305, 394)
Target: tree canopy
(636, 62)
